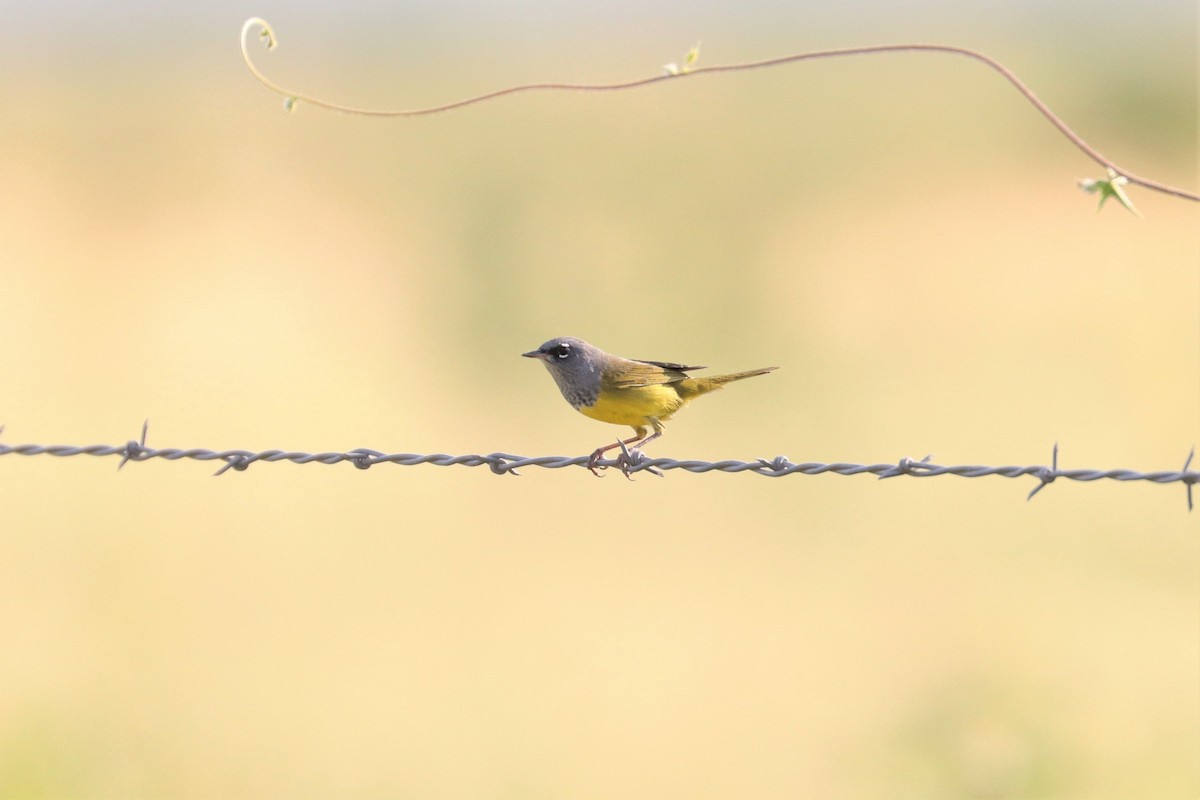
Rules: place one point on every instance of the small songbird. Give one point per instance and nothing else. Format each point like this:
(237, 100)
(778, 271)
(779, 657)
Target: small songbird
(640, 394)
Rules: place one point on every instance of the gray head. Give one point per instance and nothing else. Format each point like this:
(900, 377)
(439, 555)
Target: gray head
(575, 366)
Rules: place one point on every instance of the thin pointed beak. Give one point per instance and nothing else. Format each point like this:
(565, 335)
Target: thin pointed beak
(535, 354)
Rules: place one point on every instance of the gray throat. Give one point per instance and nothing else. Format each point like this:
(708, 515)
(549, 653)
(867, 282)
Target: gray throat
(579, 390)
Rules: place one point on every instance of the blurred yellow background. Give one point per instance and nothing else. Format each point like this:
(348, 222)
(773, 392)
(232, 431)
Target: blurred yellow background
(901, 234)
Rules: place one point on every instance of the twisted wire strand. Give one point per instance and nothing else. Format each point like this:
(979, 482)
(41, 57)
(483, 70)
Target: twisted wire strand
(629, 462)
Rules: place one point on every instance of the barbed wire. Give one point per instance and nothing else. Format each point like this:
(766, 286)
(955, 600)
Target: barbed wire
(628, 462)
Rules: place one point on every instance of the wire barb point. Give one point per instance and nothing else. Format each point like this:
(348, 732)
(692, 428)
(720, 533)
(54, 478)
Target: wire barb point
(1045, 474)
(135, 451)
(780, 465)
(236, 461)
(633, 460)
(906, 466)
(1189, 478)
(500, 466)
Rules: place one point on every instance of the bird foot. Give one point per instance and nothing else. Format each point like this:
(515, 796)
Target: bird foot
(592, 462)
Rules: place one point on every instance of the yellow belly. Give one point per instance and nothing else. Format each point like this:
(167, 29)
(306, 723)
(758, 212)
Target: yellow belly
(634, 406)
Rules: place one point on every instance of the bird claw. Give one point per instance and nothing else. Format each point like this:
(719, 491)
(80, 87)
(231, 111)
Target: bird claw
(591, 464)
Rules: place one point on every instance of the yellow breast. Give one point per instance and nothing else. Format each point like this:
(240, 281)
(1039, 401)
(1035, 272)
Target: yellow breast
(634, 405)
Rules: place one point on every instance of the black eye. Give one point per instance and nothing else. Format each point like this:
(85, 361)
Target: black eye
(561, 350)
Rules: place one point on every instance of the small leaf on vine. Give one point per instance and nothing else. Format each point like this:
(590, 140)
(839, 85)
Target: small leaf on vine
(1113, 187)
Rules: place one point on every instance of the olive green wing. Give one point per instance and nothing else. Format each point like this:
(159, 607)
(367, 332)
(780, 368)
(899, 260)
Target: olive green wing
(627, 374)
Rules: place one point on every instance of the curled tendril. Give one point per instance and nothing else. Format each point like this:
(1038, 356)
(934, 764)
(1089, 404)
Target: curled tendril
(267, 35)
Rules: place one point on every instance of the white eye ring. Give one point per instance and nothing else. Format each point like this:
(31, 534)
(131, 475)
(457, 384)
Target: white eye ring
(564, 350)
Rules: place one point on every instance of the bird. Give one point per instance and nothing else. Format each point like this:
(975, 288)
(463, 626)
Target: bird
(623, 391)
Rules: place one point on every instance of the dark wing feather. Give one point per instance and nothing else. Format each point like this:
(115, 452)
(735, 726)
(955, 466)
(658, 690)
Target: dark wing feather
(627, 374)
(670, 365)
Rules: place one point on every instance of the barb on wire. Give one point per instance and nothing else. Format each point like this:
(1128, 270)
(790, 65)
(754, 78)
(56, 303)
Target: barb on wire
(673, 72)
(1046, 476)
(134, 449)
(628, 462)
